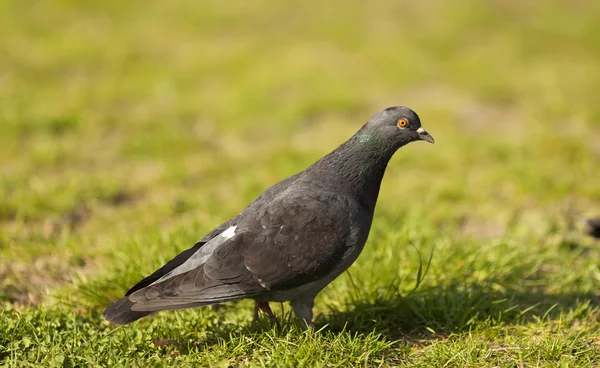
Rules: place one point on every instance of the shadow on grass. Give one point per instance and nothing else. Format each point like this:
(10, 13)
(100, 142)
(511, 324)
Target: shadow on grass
(424, 315)
(433, 313)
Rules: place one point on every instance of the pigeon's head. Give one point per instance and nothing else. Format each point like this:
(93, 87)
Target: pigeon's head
(398, 124)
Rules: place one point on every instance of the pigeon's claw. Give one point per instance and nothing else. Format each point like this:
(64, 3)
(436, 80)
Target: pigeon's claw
(264, 306)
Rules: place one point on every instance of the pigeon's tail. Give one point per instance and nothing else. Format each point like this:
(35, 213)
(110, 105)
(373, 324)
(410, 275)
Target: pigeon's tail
(120, 312)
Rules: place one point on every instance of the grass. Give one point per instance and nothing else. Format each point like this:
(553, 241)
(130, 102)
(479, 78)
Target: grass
(128, 130)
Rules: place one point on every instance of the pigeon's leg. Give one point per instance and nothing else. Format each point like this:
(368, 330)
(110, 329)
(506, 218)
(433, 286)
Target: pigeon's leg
(303, 311)
(264, 306)
(255, 318)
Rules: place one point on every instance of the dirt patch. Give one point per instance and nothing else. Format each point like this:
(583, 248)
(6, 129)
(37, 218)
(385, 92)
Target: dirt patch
(480, 229)
(28, 283)
(162, 342)
(25, 284)
(72, 220)
(121, 198)
(7, 214)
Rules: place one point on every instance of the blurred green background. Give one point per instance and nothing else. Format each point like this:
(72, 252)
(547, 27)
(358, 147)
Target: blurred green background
(130, 129)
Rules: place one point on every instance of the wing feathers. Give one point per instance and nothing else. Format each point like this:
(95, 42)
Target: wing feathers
(180, 258)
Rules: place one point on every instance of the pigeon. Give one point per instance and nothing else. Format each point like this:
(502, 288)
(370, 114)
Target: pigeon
(593, 227)
(289, 243)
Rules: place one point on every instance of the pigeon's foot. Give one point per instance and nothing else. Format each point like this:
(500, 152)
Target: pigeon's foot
(264, 306)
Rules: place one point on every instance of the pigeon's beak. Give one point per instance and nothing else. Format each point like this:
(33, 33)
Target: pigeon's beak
(423, 135)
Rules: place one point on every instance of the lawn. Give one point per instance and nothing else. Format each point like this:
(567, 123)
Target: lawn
(129, 129)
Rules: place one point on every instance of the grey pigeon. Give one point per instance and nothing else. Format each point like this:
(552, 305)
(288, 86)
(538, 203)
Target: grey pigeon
(593, 227)
(292, 241)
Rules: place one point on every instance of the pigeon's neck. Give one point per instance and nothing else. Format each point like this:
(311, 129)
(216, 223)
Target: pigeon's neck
(356, 167)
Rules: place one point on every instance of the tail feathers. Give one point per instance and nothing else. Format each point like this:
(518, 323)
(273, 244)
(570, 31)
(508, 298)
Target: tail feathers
(120, 312)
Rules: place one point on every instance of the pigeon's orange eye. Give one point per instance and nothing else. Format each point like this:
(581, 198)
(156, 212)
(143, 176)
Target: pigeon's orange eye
(402, 123)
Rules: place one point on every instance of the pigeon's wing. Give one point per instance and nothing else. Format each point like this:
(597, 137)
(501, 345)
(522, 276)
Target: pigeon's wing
(179, 259)
(187, 285)
(182, 257)
(301, 238)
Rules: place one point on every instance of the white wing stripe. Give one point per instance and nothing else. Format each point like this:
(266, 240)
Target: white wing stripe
(201, 255)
